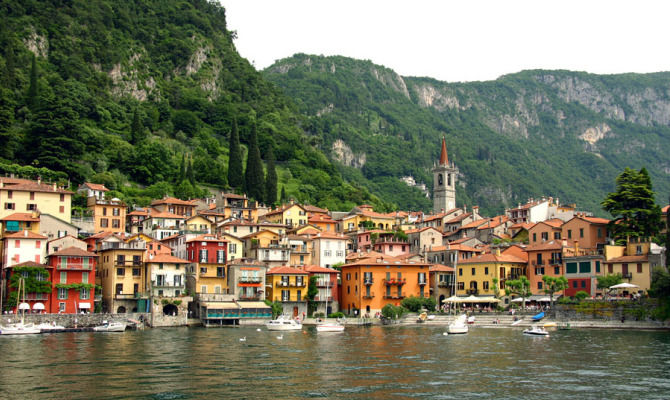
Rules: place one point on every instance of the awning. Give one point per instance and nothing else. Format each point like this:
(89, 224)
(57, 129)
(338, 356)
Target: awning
(38, 306)
(219, 305)
(84, 305)
(24, 306)
(253, 304)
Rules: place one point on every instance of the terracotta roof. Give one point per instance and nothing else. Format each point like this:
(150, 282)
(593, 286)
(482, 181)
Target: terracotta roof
(283, 208)
(554, 222)
(665, 209)
(176, 235)
(522, 225)
(440, 268)
(74, 251)
(493, 258)
(596, 220)
(233, 196)
(285, 270)
(171, 200)
(443, 153)
(251, 235)
(32, 186)
(166, 258)
(434, 217)
(474, 224)
(159, 214)
(627, 259)
(24, 235)
(58, 238)
(459, 218)
(100, 235)
(374, 258)
(315, 209)
(96, 186)
(318, 269)
(206, 238)
(321, 218)
(494, 222)
(373, 214)
(421, 230)
(21, 217)
(551, 245)
(138, 212)
(326, 235)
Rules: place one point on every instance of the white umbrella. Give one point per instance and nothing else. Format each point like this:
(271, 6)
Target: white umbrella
(24, 306)
(545, 299)
(517, 300)
(38, 306)
(624, 285)
(452, 299)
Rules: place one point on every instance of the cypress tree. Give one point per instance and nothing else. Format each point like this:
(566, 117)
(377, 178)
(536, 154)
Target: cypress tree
(235, 177)
(282, 198)
(667, 234)
(253, 175)
(136, 129)
(271, 179)
(182, 169)
(190, 174)
(31, 98)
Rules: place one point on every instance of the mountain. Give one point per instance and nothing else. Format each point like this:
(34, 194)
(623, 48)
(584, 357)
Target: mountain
(142, 95)
(531, 134)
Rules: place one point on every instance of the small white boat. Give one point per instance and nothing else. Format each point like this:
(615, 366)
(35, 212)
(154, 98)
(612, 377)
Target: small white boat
(458, 326)
(44, 327)
(283, 324)
(536, 330)
(110, 327)
(19, 329)
(330, 327)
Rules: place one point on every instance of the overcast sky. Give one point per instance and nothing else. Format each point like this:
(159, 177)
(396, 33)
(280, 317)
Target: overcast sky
(465, 40)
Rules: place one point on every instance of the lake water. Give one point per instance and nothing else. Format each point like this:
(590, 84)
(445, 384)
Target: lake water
(363, 362)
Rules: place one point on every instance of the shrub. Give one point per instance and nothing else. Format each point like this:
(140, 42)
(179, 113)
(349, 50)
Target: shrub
(318, 315)
(581, 295)
(393, 312)
(338, 314)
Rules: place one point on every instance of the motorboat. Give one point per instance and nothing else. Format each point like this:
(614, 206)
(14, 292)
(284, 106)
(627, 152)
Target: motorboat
(471, 319)
(283, 323)
(458, 326)
(330, 327)
(110, 327)
(19, 329)
(46, 327)
(536, 330)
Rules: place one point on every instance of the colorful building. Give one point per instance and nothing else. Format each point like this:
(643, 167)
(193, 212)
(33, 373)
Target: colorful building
(208, 256)
(23, 195)
(73, 277)
(289, 286)
(108, 215)
(327, 297)
(290, 215)
(121, 275)
(475, 276)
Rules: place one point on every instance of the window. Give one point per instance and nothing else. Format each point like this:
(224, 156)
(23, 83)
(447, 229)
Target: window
(203, 289)
(32, 195)
(104, 210)
(581, 232)
(326, 253)
(610, 268)
(203, 256)
(116, 223)
(119, 288)
(557, 235)
(9, 194)
(598, 267)
(600, 232)
(473, 271)
(115, 212)
(104, 223)
(557, 270)
(639, 268)
(534, 237)
(485, 285)
(585, 267)
(461, 285)
(38, 244)
(574, 284)
(84, 277)
(62, 197)
(120, 272)
(136, 272)
(217, 289)
(61, 209)
(569, 233)
(10, 206)
(84, 294)
(539, 285)
(203, 270)
(486, 270)
(221, 272)
(221, 256)
(583, 284)
(545, 236)
(460, 272)
(63, 277)
(31, 207)
(571, 268)
(62, 294)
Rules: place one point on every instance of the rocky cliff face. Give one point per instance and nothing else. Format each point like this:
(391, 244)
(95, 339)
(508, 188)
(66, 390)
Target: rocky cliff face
(342, 153)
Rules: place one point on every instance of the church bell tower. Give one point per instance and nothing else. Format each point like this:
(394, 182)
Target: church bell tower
(444, 183)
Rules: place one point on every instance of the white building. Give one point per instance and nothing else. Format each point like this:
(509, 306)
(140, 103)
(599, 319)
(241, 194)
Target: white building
(329, 249)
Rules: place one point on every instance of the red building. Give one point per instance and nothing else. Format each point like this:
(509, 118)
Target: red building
(207, 249)
(33, 274)
(73, 278)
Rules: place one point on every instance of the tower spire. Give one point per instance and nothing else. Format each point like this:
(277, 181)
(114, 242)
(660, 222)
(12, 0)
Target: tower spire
(444, 160)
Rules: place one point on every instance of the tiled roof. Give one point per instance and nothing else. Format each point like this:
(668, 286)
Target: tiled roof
(283, 208)
(138, 212)
(440, 268)
(474, 224)
(206, 238)
(315, 209)
(285, 270)
(96, 186)
(171, 200)
(493, 258)
(627, 259)
(30, 264)
(596, 220)
(31, 186)
(374, 258)
(233, 196)
(554, 222)
(21, 217)
(24, 235)
(458, 219)
(159, 214)
(318, 269)
(75, 252)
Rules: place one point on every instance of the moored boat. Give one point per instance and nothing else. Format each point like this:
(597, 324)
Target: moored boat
(110, 327)
(46, 327)
(283, 324)
(330, 327)
(19, 329)
(536, 330)
(458, 326)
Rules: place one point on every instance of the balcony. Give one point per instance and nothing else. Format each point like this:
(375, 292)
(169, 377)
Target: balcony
(71, 265)
(298, 284)
(537, 263)
(171, 285)
(324, 298)
(250, 279)
(628, 275)
(555, 261)
(127, 263)
(37, 296)
(394, 281)
(369, 296)
(394, 296)
(444, 284)
(250, 297)
(212, 297)
(326, 284)
(423, 283)
(512, 276)
(368, 282)
(473, 292)
(126, 296)
(282, 284)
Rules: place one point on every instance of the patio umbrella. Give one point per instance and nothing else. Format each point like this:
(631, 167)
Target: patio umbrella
(624, 285)
(517, 300)
(544, 299)
(24, 306)
(38, 306)
(452, 299)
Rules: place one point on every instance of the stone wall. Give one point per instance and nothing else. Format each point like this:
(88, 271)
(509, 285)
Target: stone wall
(612, 311)
(164, 311)
(83, 320)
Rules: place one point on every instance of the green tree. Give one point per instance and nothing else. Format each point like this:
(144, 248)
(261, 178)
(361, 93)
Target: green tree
(312, 291)
(553, 284)
(253, 174)
(277, 308)
(190, 174)
(604, 282)
(282, 197)
(520, 287)
(235, 175)
(496, 287)
(136, 128)
(31, 96)
(633, 207)
(271, 179)
(182, 169)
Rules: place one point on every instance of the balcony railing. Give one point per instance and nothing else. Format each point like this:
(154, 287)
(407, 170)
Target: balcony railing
(212, 297)
(555, 261)
(444, 284)
(126, 296)
(512, 276)
(395, 281)
(250, 297)
(71, 265)
(167, 285)
(472, 291)
(250, 279)
(423, 283)
(127, 263)
(394, 296)
(37, 296)
(628, 275)
(368, 281)
(326, 284)
(298, 284)
(324, 298)
(369, 295)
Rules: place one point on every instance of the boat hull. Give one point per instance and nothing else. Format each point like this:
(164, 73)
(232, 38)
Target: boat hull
(535, 333)
(457, 330)
(110, 328)
(18, 330)
(283, 327)
(329, 328)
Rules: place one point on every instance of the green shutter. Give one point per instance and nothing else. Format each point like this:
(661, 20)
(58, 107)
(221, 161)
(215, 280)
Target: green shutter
(571, 268)
(63, 277)
(84, 277)
(585, 267)
(597, 267)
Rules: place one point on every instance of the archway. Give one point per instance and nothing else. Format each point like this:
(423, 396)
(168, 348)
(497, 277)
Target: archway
(170, 309)
(121, 310)
(441, 302)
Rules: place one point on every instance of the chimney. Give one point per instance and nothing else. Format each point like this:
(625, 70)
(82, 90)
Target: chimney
(497, 253)
(465, 209)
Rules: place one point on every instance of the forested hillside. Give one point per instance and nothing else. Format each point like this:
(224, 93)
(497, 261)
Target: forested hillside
(555, 133)
(142, 96)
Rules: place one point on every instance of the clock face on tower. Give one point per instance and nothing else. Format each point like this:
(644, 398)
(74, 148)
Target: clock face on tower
(439, 179)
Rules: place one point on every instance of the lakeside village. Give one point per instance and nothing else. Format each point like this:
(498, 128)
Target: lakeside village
(227, 260)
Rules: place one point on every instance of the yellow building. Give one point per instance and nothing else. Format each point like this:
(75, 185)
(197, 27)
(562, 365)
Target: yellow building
(23, 195)
(301, 250)
(198, 224)
(121, 273)
(289, 214)
(267, 247)
(474, 276)
(364, 214)
(108, 215)
(18, 222)
(635, 262)
(207, 273)
(288, 286)
(235, 246)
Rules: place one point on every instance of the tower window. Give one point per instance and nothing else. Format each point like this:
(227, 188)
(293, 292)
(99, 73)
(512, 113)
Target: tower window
(440, 179)
(448, 179)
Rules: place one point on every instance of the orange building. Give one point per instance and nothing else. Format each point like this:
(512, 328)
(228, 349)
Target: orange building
(586, 233)
(375, 280)
(108, 215)
(544, 259)
(545, 231)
